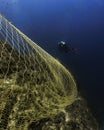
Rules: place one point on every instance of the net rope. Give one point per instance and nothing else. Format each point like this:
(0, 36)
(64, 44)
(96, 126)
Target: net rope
(33, 84)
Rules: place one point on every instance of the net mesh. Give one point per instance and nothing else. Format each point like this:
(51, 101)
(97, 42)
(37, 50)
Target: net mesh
(33, 84)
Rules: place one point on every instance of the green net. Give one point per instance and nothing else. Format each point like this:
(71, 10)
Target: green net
(33, 84)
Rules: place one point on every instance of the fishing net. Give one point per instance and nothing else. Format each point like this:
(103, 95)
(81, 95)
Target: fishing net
(33, 84)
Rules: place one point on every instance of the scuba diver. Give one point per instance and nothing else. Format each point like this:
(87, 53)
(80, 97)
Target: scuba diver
(63, 47)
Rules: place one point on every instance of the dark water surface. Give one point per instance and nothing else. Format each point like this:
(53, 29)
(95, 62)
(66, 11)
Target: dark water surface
(80, 23)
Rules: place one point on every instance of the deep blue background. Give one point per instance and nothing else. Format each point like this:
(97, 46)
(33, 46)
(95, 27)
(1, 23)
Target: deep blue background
(80, 23)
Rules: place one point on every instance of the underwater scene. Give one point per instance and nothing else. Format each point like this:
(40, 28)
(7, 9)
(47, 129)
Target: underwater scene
(51, 65)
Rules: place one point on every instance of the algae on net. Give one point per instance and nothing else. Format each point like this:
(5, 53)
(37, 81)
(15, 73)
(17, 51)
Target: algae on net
(33, 84)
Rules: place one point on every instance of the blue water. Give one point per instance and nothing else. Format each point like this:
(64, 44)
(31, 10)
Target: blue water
(80, 23)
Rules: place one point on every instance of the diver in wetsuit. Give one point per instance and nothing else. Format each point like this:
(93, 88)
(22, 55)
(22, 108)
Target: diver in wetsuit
(65, 47)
